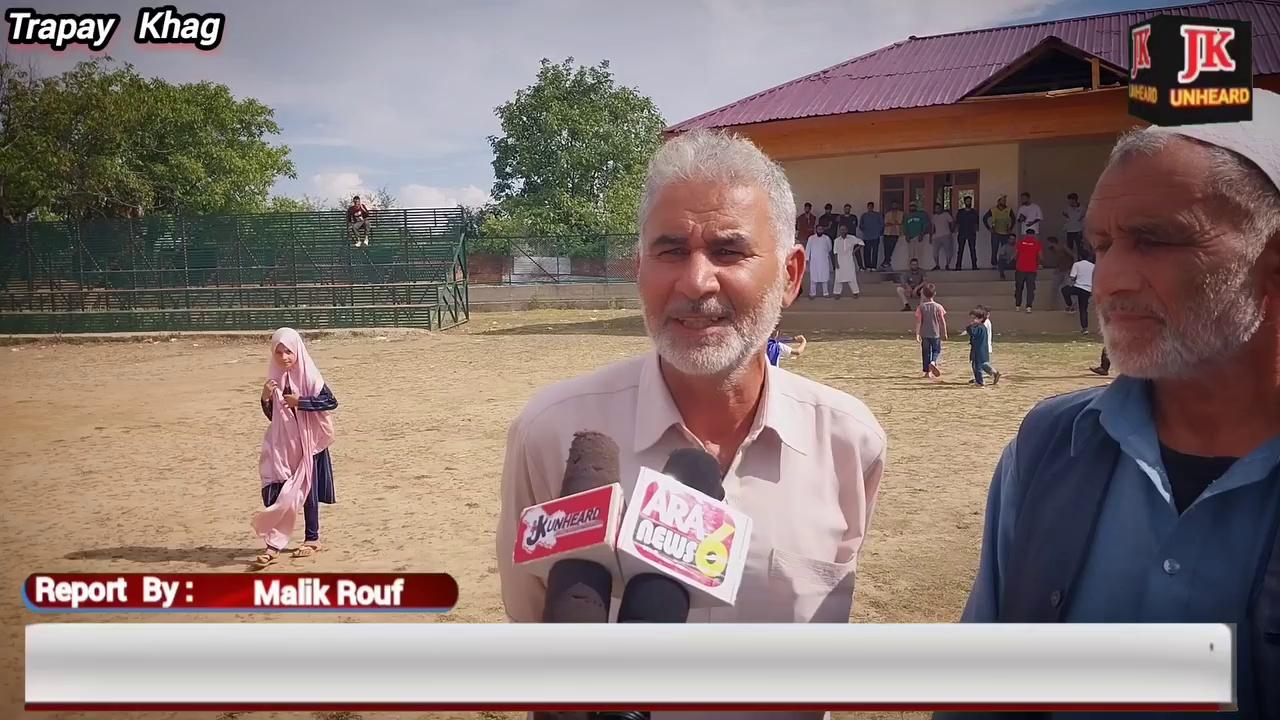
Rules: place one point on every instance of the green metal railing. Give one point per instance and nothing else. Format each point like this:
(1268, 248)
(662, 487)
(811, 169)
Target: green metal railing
(596, 258)
(240, 272)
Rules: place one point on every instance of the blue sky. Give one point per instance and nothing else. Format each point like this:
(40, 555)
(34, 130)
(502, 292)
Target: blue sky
(400, 93)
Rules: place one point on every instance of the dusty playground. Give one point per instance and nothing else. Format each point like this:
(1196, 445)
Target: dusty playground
(131, 457)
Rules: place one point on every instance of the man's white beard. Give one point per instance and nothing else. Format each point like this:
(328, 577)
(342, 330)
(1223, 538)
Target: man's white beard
(749, 332)
(1219, 322)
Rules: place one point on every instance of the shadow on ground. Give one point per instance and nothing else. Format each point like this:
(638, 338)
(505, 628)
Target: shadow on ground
(209, 556)
(632, 325)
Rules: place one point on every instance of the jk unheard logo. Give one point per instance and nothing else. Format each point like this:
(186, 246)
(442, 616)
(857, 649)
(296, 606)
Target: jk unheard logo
(1185, 71)
(164, 25)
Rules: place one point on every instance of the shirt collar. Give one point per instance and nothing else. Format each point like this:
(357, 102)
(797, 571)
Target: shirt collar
(1123, 411)
(1120, 410)
(656, 411)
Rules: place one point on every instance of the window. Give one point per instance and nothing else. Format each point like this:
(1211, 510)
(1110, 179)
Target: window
(947, 189)
(943, 188)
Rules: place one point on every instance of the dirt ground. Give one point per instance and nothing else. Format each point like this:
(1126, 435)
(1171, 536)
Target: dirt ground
(141, 457)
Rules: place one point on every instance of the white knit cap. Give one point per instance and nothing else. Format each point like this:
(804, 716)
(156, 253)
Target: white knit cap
(1258, 140)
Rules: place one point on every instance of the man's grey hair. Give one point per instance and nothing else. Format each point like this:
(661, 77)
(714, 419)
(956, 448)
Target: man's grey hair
(707, 155)
(1235, 180)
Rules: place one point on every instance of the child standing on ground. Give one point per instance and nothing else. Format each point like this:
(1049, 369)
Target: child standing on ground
(777, 348)
(295, 467)
(979, 347)
(931, 327)
(991, 334)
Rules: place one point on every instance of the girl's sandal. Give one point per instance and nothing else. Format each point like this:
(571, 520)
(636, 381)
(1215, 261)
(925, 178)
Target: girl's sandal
(264, 560)
(306, 550)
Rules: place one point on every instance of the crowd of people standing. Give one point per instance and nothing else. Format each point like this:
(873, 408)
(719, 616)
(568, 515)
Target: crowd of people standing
(942, 236)
(1016, 246)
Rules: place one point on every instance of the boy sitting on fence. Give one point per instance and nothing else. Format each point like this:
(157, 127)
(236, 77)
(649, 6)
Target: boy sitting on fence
(357, 219)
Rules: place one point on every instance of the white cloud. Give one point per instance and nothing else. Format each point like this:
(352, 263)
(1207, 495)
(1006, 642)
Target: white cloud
(415, 195)
(343, 184)
(408, 88)
(339, 185)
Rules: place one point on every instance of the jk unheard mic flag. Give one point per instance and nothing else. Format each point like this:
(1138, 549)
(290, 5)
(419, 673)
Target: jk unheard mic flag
(569, 541)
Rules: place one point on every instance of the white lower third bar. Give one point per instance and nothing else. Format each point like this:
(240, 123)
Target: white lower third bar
(515, 666)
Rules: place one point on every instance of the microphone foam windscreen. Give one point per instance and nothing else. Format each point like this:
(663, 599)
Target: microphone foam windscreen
(654, 598)
(593, 463)
(697, 469)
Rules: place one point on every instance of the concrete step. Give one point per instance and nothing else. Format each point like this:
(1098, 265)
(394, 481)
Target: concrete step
(956, 305)
(800, 320)
(947, 276)
(945, 290)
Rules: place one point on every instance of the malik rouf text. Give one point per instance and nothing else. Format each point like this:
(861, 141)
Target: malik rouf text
(313, 592)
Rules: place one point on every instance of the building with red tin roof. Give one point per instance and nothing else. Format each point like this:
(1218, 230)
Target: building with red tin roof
(988, 112)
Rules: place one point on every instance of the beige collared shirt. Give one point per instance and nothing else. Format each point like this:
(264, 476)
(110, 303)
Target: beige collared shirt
(807, 474)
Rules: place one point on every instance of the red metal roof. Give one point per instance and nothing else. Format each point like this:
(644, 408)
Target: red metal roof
(941, 69)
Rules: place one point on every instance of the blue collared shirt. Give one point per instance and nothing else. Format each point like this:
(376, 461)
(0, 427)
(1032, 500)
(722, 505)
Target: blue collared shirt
(1147, 563)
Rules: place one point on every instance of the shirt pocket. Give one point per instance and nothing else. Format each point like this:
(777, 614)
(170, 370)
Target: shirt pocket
(816, 590)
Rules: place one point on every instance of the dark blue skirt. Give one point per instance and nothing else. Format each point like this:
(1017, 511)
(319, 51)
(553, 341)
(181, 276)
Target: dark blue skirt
(321, 482)
(322, 479)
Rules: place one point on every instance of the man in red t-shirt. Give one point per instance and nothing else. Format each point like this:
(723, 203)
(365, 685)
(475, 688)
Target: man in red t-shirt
(357, 220)
(1025, 268)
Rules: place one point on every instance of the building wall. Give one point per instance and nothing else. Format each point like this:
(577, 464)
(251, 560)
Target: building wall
(989, 121)
(855, 179)
(1051, 169)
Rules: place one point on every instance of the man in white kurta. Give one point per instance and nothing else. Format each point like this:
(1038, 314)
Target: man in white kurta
(817, 254)
(846, 266)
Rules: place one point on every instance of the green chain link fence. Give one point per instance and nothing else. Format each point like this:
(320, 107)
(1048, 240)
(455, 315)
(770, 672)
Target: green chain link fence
(235, 272)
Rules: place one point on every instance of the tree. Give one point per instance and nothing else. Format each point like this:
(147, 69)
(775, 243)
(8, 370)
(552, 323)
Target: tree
(572, 155)
(206, 151)
(101, 140)
(285, 204)
(382, 199)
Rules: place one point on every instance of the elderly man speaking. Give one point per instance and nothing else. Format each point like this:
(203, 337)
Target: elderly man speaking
(717, 265)
(1157, 499)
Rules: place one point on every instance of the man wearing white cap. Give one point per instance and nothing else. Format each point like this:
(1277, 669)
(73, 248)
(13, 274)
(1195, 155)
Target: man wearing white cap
(1157, 498)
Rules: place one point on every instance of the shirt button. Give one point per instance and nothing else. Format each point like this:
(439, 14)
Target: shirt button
(1171, 566)
(1055, 598)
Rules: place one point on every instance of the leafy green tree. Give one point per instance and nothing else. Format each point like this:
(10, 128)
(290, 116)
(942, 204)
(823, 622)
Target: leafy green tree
(100, 140)
(572, 155)
(285, 204)
(204, 151)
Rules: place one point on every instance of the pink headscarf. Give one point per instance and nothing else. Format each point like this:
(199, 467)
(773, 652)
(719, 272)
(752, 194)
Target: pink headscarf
(291, 441)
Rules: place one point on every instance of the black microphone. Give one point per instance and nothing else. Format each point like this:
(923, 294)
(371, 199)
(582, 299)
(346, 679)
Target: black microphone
(656, 598)
(580, 590)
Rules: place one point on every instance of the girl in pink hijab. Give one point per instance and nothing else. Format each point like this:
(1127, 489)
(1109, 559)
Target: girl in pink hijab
(297, 473)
